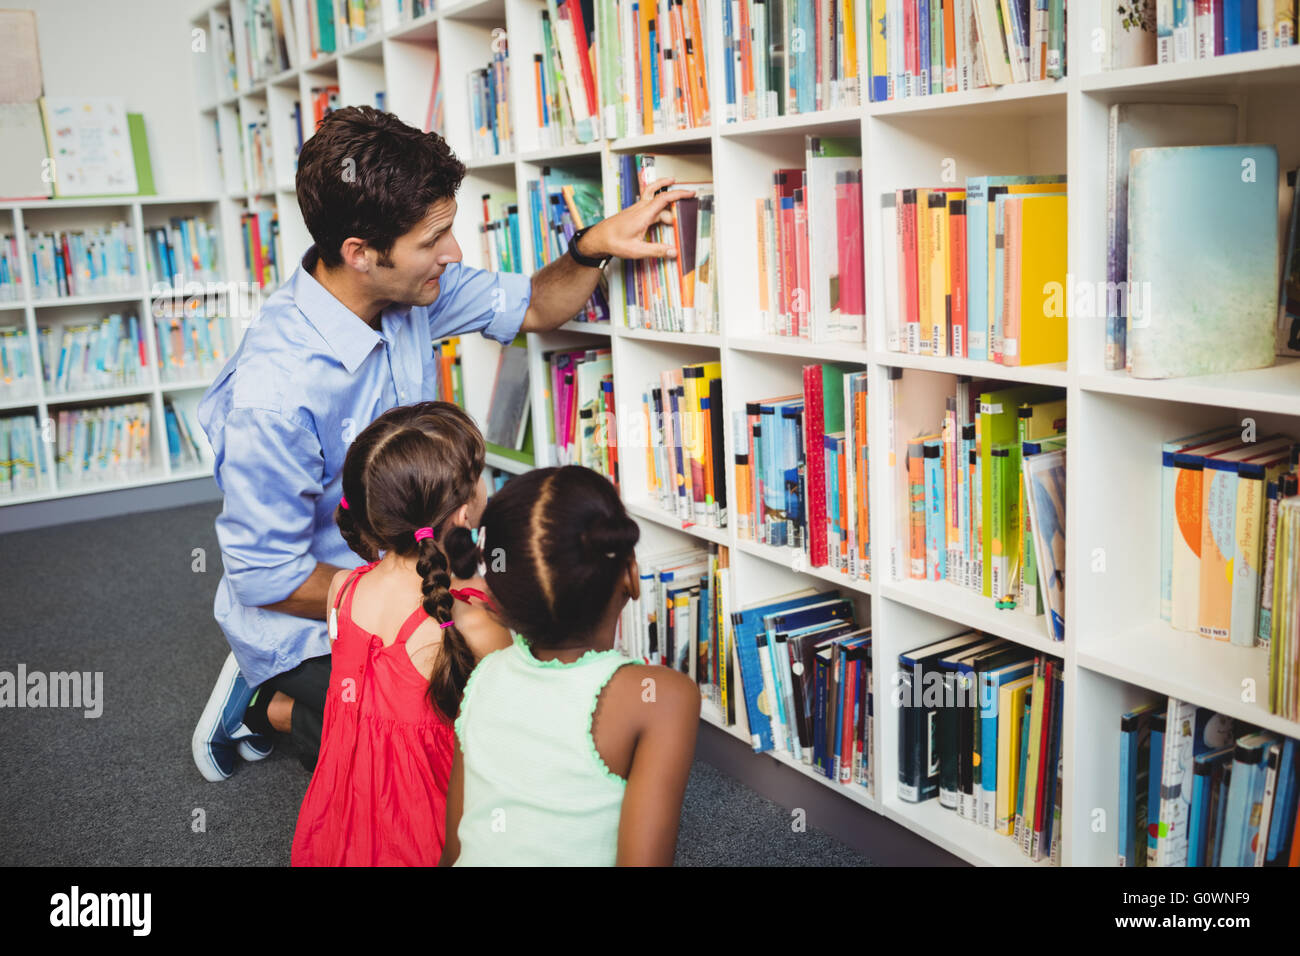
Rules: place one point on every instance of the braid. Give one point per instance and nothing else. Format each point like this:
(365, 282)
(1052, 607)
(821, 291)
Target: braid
(452, 669)
(348, 523)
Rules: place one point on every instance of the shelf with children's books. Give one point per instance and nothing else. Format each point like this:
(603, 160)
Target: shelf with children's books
(1276, 67)
(650, 512)
(788, 345)
(702, 339)
(1275, 388)
(1040, 96)
(795, 559)
(968, 608)
(1053, 373)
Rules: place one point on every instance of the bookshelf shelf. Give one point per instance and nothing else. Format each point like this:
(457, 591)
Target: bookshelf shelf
(1273, 389)
(507, 464)
(1229, 679)
(1054, 374)
(101, 298)
(965, 606)
(1117, 651)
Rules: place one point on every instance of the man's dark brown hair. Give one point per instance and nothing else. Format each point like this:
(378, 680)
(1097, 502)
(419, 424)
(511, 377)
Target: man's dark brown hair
(367, 174)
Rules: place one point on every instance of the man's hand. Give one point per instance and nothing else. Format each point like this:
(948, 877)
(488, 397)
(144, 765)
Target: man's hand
(623, 234)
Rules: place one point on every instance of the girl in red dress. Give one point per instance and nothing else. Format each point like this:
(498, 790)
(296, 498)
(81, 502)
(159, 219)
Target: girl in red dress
(405, 635)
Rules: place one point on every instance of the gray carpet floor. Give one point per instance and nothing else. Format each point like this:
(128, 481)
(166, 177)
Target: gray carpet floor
(121, 596)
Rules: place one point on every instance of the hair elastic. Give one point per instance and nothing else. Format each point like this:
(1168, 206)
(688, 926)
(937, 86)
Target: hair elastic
(422, 533)
(343, 502)
(446, 624)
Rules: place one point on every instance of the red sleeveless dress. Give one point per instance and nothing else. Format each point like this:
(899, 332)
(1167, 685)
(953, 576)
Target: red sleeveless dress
(379, 793)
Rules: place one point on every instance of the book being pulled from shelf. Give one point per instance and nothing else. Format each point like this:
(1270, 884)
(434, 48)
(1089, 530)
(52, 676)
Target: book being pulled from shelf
(683, 424)
(805, 670)
(560, 203)
(926, 47)
(580, 418)
(84, 261)
(677, 293)
(187, 248)
(980, 723)
(680, 620)
(110, 354)
(192, 347)
(11, 270)
(1198, 788)
(489, 104)
(260, 232)
(182, 448)
(1145, 32)
(772, 67)
(17, 372)
(979, 489)
(499, 233)
(810, 243)
(22, 456)
(104, 444)
(978, 272)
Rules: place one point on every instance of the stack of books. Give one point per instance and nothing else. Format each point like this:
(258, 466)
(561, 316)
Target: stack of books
(926, 47)
(580, 415)
(790, 56)
(489, 104)
(1197, 788)
(84, 261)
(979, 486)
(810, 246)
(801, 471)
(22, 458)
(561, 203)
(677, 293)
(110, 443)
(110, 354)
(996, 711)
(683, 420)
(978, 272)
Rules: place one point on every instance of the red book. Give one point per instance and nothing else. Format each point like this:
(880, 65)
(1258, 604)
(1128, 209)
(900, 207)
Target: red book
(849, 689)
(957, 249)
(69, 273)
(908, 293)
(1044, 746)
(584, 54)
(815, 463)
(911, 48)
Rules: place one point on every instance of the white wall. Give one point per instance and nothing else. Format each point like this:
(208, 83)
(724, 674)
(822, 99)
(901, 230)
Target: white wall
(136, 49)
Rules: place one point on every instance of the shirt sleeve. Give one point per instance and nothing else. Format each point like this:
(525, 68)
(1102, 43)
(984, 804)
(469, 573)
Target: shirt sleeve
(476, 300)
(270, 470)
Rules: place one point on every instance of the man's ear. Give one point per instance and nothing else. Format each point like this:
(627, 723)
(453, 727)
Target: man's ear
(356, 253)
(461, 516)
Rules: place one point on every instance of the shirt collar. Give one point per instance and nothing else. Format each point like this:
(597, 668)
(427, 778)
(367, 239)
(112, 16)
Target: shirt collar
(349, 338)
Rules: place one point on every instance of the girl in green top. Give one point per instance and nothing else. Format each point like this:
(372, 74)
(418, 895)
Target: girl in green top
(567, 752)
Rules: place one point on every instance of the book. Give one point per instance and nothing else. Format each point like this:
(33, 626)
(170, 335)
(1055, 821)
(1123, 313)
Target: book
(1212, 309)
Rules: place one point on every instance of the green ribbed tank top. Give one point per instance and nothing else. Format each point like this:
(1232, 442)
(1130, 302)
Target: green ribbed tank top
(536, 790)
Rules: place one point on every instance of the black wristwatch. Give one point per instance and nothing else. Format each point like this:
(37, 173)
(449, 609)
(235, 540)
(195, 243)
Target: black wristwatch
(579, 258)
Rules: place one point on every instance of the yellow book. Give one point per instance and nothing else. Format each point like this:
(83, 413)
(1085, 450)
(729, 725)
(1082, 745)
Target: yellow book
(1025, 819)
(936, 210)
(1248, 560)
(1043, 312)
(992, 286)
(924, 268)
(850, 62)
(1011, 704)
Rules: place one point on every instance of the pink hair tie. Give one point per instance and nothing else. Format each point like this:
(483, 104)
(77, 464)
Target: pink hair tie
(422, 533)
(447, 624)
(343, 502)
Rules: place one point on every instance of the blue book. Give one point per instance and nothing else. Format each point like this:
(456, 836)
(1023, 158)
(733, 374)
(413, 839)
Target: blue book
(1203, 783)
(1188, 319)
(923, 46)
(792, 470)
(1240, 26)
(1281, 823)
(729, 78)
(990, 683)
(936, 549)
(746, 626)
(779, 628)
(1246, 789)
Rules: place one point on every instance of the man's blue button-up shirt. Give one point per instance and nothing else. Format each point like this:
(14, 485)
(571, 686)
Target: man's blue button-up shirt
(307, 377)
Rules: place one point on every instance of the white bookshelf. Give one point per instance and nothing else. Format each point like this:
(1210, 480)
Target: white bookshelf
(1118, 651)
(144, 293)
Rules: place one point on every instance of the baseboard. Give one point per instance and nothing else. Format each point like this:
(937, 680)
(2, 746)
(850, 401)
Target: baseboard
(107, 504)
(881, 840)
